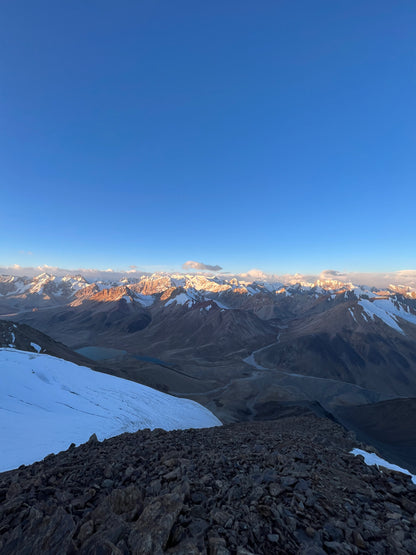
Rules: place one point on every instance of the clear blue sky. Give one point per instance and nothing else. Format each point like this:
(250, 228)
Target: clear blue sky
(272, 134)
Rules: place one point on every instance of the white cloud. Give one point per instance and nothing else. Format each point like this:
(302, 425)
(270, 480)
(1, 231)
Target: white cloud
(191, 264)
(255, 274)
(407, 274)
(332, 274)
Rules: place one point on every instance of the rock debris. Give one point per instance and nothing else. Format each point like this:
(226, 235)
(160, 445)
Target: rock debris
(285, 486)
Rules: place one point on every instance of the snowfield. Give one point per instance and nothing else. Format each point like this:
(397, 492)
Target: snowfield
(388, 312)
(47, 403)
(182, 299)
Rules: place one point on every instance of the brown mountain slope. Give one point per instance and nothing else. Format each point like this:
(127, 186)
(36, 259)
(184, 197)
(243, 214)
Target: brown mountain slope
(337, 345)
(26, 338)
(92, 322)
(202, 329)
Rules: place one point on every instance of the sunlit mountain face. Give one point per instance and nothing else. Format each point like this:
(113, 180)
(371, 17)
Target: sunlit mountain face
(48, 287)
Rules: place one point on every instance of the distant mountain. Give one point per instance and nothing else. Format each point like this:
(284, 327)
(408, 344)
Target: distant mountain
(358, 337)
(42, 290)
(46, 290)
(338, 325)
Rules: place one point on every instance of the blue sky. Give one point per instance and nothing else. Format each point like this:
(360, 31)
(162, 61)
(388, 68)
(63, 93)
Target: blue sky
(279, 135)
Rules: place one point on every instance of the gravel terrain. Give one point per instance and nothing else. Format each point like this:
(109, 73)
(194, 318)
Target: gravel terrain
(284, 486)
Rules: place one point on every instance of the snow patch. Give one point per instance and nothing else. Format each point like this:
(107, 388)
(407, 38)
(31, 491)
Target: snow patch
(361, 291)
(372, 459)
(181, 299)
(352, 314)
(144, 300)
(36, 347)
(221, 305)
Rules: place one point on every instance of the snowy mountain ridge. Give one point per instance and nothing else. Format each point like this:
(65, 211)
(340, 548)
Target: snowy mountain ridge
(189, 291)
(49, 284)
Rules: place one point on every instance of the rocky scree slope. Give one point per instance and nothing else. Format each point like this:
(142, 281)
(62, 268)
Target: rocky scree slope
(285, 486)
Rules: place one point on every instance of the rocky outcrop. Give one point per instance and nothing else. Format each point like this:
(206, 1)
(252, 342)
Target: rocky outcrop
(286, 486)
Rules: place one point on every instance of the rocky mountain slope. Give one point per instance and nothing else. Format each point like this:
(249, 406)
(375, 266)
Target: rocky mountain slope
(287, 486)
(26, 338)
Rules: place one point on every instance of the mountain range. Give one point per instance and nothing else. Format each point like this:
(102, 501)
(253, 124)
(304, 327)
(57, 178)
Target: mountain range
(247, 350)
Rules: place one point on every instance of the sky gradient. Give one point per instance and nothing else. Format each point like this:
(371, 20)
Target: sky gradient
(277, 135)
